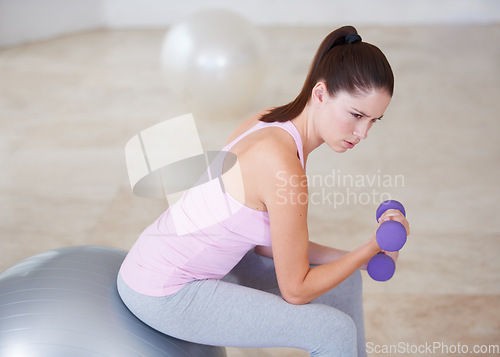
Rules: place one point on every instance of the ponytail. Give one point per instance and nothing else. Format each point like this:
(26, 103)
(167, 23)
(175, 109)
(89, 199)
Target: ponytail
(344, 63)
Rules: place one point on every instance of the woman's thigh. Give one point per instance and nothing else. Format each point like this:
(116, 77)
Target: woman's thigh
(258, 272)
(226, 314)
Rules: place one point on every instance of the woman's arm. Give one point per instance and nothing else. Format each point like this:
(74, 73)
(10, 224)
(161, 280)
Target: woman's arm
(318, 254)
(285, 196)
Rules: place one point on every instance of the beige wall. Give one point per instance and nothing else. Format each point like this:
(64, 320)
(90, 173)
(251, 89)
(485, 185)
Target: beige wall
(31, 20)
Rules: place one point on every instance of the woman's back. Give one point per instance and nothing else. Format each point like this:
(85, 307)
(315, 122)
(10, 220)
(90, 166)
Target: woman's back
(206, 233)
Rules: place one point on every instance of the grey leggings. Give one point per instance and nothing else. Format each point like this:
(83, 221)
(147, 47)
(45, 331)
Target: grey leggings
(245, 309)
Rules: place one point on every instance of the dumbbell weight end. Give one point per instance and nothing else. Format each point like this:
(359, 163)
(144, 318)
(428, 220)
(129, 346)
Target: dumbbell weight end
(381, 267)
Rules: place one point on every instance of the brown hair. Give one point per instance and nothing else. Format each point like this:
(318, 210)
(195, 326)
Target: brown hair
(352, 67)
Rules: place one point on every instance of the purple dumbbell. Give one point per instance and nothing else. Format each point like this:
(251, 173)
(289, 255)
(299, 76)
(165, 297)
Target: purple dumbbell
(391, 237)
(381, 267)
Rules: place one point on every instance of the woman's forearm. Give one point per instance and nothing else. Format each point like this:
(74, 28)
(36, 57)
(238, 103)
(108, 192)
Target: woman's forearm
(324, 277)
(320, 254)
(317, 253)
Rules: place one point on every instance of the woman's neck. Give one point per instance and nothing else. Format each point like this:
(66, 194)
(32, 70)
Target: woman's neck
(305, 126)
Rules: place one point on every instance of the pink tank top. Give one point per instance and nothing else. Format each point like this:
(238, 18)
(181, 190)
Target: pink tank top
(202, 236)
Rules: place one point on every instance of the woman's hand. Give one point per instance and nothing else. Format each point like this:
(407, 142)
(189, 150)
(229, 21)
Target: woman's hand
(393, 255)
(390, 215)
(394, 215)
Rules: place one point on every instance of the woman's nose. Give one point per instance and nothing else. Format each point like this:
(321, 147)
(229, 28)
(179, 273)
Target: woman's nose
(361, 130)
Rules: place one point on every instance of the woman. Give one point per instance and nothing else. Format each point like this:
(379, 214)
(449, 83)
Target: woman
(202, 272)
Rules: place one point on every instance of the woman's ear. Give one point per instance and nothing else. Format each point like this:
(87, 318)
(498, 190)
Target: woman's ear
(319, 92)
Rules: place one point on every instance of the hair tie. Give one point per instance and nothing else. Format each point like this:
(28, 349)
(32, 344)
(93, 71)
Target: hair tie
(352, 37)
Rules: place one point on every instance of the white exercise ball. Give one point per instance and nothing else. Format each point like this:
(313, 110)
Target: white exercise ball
(214, 61)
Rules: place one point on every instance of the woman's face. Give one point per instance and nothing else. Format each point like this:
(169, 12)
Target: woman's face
(345, 119)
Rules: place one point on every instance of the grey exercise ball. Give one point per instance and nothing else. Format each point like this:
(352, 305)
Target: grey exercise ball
(64, 303)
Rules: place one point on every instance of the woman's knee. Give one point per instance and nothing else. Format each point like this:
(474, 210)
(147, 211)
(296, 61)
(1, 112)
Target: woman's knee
(342, 325)
(336, 335)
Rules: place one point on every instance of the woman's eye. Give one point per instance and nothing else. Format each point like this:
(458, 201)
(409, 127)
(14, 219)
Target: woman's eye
(356, 115)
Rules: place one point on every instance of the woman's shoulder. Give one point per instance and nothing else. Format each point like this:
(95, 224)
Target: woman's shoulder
(261, 156)
(245, 126)
(266, 144)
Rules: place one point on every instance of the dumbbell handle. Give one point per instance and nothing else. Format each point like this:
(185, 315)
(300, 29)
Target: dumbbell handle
(391, 236)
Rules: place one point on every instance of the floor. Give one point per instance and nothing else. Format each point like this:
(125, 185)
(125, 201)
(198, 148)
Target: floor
(69, 105)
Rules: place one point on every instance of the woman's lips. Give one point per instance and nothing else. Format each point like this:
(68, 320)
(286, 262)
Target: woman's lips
(348, 144)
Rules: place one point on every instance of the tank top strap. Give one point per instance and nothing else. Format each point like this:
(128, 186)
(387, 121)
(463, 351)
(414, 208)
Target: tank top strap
(287, 125)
